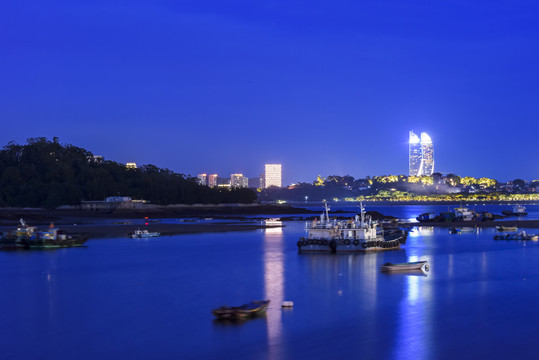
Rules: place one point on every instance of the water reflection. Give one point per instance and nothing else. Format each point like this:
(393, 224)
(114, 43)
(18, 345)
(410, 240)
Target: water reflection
(274, 283)
(276, 227)
(421, 231)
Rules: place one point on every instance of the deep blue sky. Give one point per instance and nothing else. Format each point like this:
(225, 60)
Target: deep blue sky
(323, 87)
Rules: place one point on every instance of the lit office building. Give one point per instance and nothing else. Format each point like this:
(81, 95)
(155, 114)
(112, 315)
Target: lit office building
(212, 180)
(427, 155)
(238, 181)
(414, 158)
(421, 155)
(131, 165)
(273, 175)
(202, 179)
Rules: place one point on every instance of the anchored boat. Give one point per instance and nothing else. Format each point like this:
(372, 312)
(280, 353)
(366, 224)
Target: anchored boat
(359, 234)
(520, 236)
(27, 237)
(249, 310)
(506, 228)
(143, 234)
(518, 210)
(416, 265)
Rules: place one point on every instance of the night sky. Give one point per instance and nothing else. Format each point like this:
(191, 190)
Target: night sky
(323, 87)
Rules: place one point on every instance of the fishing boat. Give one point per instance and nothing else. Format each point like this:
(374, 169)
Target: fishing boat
(506, 228)
(249, 310)
(427, 217)
(464, 214)
(407, 266)
(359, 234)
(518, 210)
(28, 237)
(143, 234)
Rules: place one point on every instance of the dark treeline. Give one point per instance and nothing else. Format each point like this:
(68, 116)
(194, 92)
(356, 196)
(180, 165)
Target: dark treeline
(45, 173)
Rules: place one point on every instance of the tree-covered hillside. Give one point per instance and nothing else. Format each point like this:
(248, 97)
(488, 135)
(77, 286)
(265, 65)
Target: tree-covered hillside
(48, 174)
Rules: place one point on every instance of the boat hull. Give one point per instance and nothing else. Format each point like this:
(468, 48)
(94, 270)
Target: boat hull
(418, 265)
(250, 310)
(331, 246)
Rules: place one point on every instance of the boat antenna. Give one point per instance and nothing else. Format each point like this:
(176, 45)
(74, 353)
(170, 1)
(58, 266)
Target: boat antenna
(362, 209)
(327, 210)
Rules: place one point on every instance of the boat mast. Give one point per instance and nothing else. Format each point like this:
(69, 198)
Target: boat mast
(362, 209)
(327, 210)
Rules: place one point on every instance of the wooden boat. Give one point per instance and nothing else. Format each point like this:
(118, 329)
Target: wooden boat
(249, 310)
(416, 265)
(143, 234)
(506, 228)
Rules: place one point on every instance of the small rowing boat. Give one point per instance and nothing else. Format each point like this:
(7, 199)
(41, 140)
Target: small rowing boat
(416, 265)
(249, 310)
(506, 228)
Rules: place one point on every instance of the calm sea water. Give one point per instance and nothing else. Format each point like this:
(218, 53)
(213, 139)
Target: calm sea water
(151, 299)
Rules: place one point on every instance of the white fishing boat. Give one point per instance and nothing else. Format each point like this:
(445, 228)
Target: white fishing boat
(518, 210)
(416, 265)
(464, 214)
(359, 234)
(143, 234)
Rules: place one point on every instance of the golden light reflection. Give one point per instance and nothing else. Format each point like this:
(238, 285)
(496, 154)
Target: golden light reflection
(274, 283)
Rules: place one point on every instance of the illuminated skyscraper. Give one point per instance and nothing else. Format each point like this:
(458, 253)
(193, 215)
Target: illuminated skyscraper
(427, 155)
(421, 155)
(238, 181)
(212, 180)
(414, 159)
(202, 179)
(273, 175)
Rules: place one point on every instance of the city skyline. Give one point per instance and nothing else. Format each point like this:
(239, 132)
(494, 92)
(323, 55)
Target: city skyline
(202, 85)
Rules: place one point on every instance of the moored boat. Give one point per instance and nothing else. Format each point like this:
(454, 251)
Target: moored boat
(506, 228)
(520, 236)
(249, 310)
(464, 214)
(407, 266)
(27, 237)
(518, 210)
(143, 234)
(359, 234)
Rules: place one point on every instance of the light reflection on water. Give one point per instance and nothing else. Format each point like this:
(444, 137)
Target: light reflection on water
(274, 279)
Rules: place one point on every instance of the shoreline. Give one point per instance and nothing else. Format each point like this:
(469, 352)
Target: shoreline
(95, 231)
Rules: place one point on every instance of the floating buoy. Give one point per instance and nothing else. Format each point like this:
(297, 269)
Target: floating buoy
(288, 303)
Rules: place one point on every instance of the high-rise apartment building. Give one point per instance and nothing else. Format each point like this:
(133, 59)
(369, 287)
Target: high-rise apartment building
(238, 181)
(212, 180)
(421, 155)
(273, 175)
(203, 179)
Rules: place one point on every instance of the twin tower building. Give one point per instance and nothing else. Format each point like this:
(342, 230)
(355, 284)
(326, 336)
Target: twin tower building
(421, 155)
